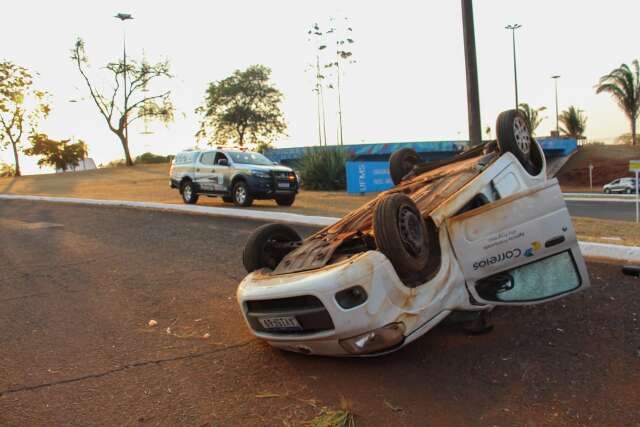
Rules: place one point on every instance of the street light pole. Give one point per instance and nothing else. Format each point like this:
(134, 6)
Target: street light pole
(123, 17)
(473, 96)
(555, 78)
(513, 29)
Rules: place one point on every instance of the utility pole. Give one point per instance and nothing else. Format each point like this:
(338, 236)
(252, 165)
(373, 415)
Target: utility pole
(555, 78)
(123, 17)
(513, 29)
(473, 96)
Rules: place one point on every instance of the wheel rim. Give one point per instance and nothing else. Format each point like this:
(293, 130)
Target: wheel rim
(186, 192)
(521, 134)
(410, 231)
(241, 194)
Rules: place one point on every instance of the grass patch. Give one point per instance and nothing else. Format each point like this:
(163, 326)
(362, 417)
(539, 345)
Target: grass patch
(333, 418)
(607, 231)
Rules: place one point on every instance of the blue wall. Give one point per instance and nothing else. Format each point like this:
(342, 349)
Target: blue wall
(369, 169)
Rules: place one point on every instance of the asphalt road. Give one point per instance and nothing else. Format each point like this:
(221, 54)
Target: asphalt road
(624, 211)
(79, 284)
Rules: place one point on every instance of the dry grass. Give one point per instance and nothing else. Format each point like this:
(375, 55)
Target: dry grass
(151, 183)
(607, 231)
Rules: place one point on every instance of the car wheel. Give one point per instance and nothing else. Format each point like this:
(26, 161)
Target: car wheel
(188, 192)
(514, 136)
(267, 245)
(628, 191)
(227, 199)
(401, 163)
(241, 195)
(401, 234)
(286, 200)
(607, 191)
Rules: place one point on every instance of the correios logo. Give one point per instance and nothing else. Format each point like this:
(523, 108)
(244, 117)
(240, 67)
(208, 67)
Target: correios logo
(507, 255)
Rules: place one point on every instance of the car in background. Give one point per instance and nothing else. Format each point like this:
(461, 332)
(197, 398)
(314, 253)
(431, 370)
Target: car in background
(621, 185)
(484, 229)
(236, 175)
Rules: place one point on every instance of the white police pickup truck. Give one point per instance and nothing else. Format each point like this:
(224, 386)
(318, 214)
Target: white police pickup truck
(237, 176)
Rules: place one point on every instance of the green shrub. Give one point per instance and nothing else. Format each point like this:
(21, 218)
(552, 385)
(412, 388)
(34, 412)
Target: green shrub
(323, 169)
(148, 158)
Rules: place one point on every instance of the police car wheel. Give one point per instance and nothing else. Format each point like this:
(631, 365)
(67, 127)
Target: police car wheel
(267, 245)
(241, 195)
(286, 200)
(401, 163)
(401, 234)
(189, 195)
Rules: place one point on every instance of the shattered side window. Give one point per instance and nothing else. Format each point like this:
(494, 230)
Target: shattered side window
(546, 278)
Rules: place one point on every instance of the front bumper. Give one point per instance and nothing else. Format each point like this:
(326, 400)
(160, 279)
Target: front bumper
(370, 270)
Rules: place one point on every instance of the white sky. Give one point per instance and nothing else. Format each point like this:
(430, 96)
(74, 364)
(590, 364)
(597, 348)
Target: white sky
(408, 83)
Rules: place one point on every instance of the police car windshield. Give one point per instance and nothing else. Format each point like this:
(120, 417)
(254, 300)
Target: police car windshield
(248, 158)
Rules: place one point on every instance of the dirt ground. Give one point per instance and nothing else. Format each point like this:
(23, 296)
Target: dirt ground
(79, 284)
(610, 162)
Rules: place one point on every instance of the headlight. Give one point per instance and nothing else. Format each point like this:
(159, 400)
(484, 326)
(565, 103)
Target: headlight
(376, 340)
(260, 174)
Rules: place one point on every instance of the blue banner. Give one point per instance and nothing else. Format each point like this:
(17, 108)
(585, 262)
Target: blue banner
(368, 176)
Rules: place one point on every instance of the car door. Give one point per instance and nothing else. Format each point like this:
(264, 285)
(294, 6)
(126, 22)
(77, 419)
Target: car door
(616, 186)
(205, 172)
(519, 250)
(222, 168)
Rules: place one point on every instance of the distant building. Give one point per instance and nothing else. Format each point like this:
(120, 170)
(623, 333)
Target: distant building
(83, 165)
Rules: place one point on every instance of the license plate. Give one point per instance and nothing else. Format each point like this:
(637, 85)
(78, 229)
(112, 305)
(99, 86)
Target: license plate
(283, 185)
(272, 323)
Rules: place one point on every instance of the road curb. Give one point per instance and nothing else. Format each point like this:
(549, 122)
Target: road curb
(589, 249)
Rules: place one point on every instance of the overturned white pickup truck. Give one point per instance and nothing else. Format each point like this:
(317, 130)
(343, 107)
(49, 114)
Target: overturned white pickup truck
(486, 228)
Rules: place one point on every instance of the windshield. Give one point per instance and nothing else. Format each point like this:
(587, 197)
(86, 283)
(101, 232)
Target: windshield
(248, 158)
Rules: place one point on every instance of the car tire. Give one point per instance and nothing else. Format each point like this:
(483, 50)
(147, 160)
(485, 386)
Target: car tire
(286, 200)
(241, 196)
(607, 191)
(227, 199)
(260, 251)
(401, 163)
(514, 136)
(401, 234)
(628, 191)
(189, 195)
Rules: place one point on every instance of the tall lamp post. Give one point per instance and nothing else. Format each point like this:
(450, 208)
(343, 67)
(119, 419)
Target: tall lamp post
(513, 29)
(555, 78)
(124, 17)
(471, 64)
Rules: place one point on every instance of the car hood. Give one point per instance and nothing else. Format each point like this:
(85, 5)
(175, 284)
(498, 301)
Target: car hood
(265, 168)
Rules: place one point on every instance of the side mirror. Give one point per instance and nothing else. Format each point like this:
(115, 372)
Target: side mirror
(223, 162)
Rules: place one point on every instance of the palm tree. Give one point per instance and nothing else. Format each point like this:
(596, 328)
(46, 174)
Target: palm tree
(623, 83)
(532, 116)
(573, 122)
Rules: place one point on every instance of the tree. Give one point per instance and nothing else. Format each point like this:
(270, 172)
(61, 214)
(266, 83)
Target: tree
(20, 105)
(623, 84)
(574, 122)
(532, 116)
(340, 35)
(127, 100)
(6, 170)
(59, 154)
(244, 107)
